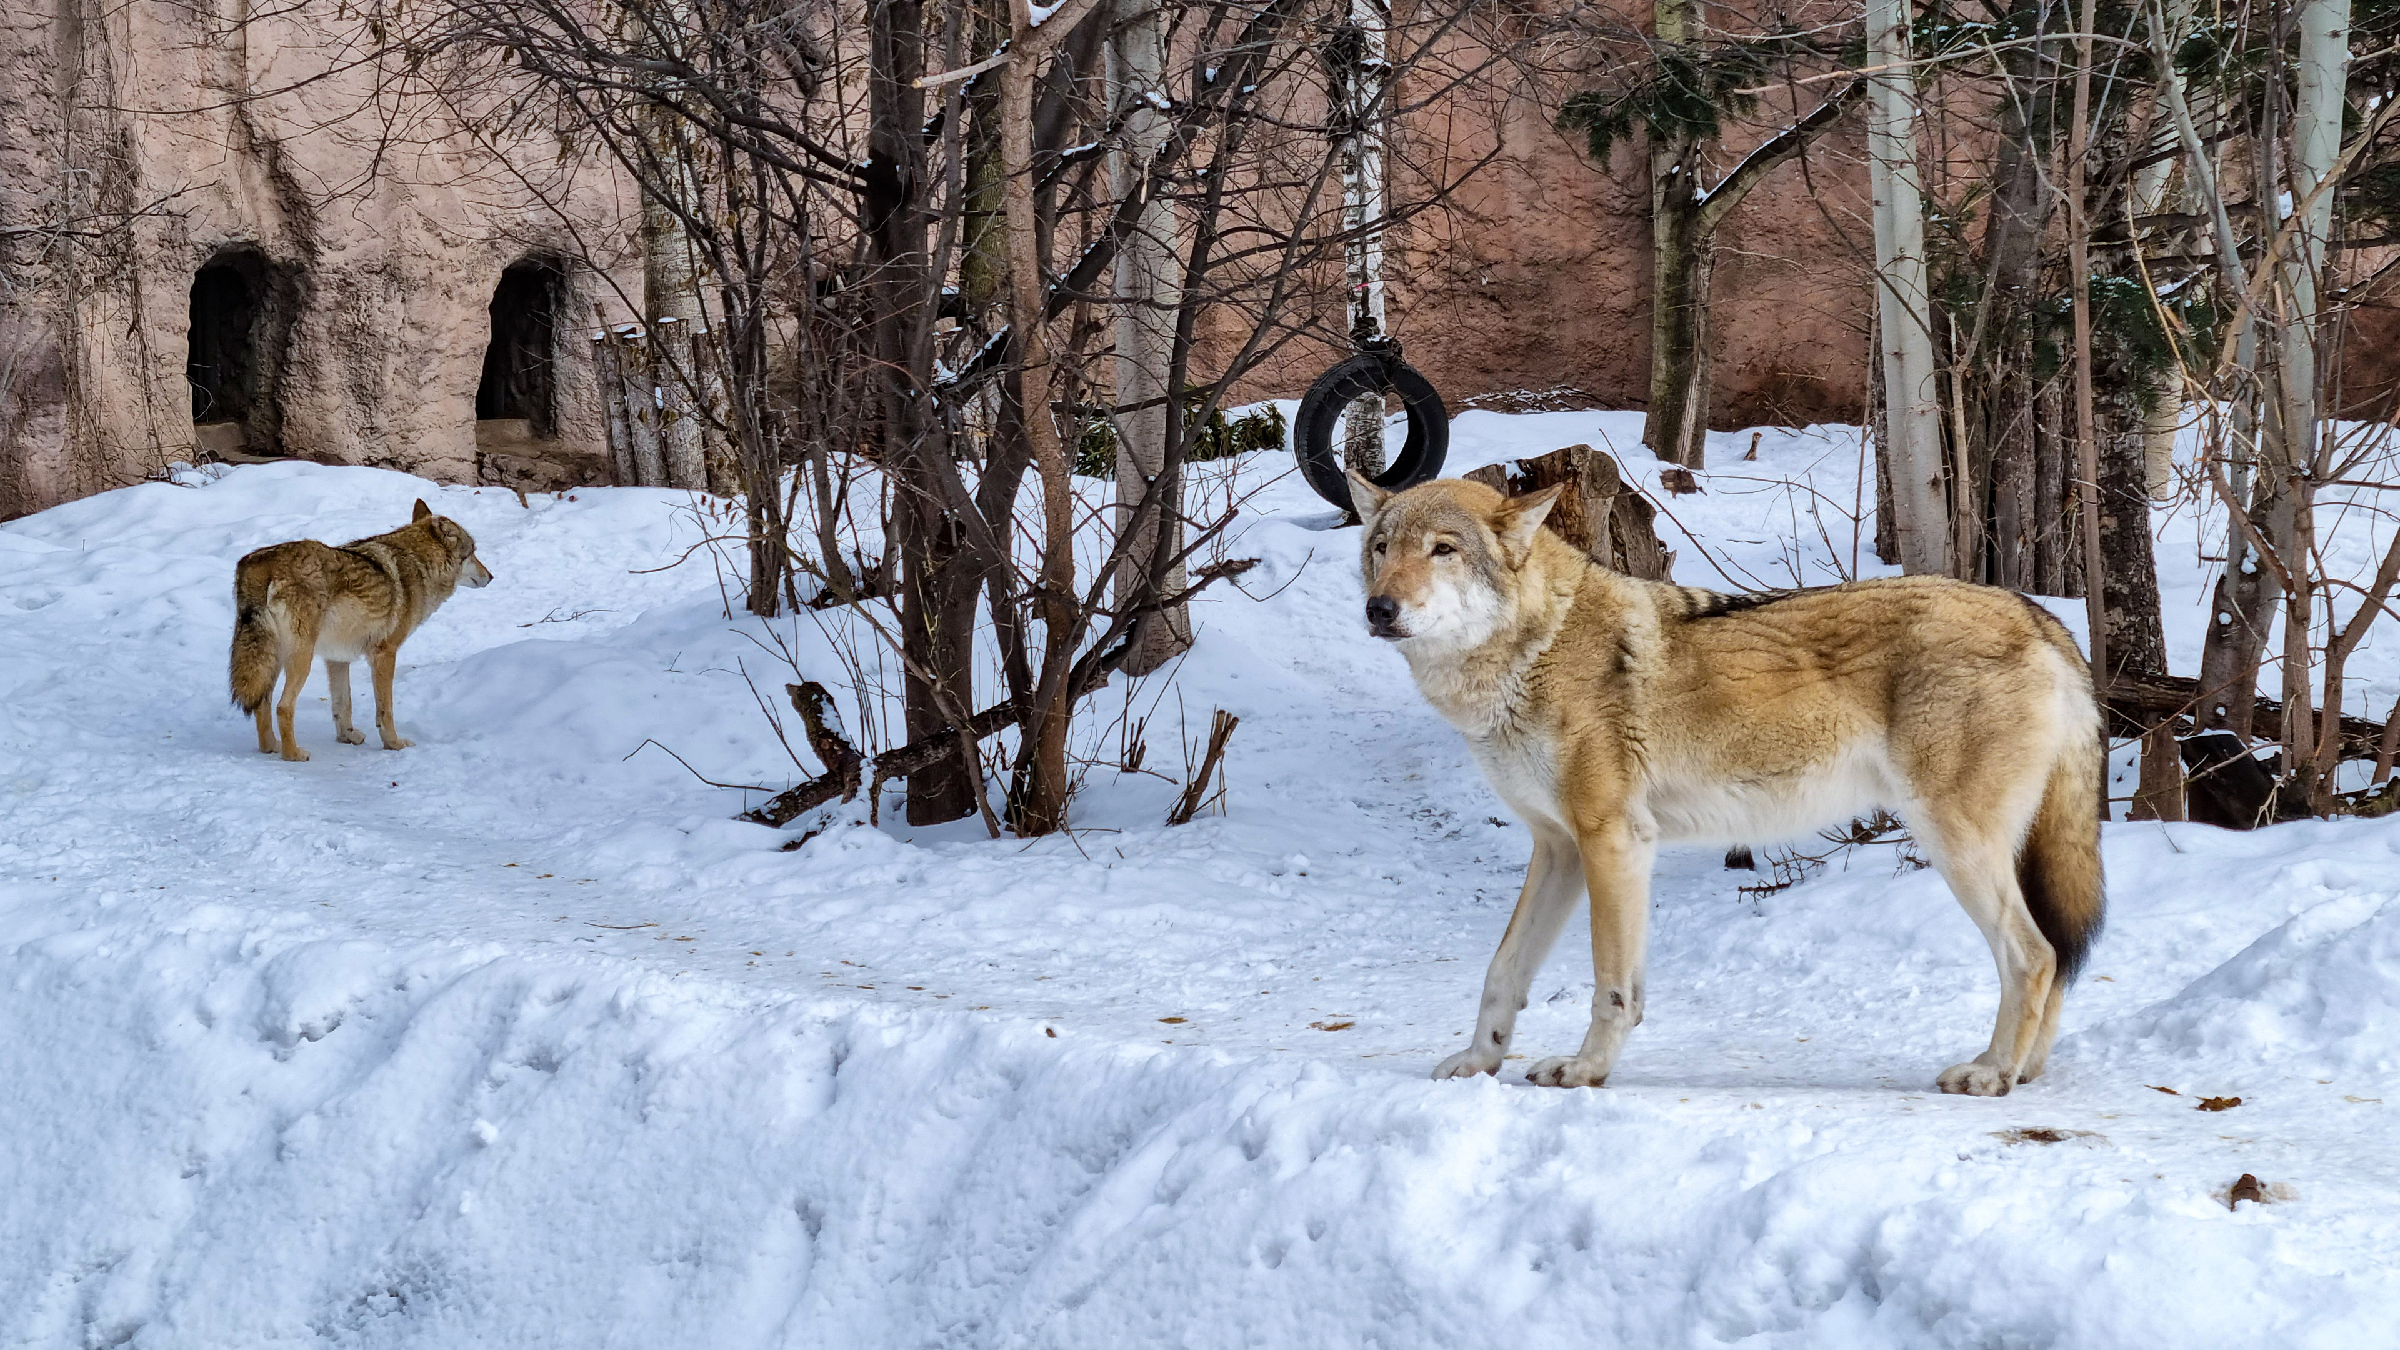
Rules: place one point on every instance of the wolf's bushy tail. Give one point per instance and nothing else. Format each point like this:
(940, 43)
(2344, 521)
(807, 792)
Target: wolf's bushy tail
(252, 668)
(2059, 866)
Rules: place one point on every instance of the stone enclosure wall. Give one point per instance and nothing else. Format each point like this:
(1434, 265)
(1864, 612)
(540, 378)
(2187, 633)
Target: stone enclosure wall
(309, 268)
(311, 263)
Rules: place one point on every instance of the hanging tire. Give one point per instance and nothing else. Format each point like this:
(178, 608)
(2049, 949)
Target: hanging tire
(1366, 373)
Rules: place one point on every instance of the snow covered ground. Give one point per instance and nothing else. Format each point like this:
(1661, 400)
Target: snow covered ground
(517, 1038)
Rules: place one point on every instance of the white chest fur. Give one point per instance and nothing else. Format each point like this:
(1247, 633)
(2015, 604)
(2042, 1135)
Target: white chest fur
(1523, 769)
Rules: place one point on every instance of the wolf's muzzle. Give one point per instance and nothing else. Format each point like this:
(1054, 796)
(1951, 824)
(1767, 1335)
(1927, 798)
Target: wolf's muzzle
(1383, 617)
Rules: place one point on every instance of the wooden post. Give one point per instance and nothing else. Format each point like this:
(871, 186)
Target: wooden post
(613, 418)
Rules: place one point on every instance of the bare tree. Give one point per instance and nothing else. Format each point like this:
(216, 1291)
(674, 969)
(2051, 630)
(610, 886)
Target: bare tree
(971, 242)
(1904, 310)
(1676, 94)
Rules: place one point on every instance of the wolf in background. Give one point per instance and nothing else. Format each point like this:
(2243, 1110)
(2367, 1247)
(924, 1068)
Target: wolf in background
(295, 602)
(1612, 713)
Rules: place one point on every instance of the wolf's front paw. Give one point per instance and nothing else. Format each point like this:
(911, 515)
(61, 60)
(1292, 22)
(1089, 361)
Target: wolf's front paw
(1468, 1063)
(1568, 1071)
(296, 755)
(395, 742)
(1975, 1079)
(351, 737)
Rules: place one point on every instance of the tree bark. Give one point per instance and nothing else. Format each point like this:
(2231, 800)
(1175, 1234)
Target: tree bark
(1361, 75)
(1684, 219)
(1912, 407)
(670, 303)
(2079, 265)
(2019, 216)
(2138, 700)
(2135, 640)
(2316, 145)
(2242, 605)
(936, 586)
(608, 355)
(1682, 256)
(2053, 535)
(1887, 529)
(1040, 805)
(1148, 293)
(1598, 513)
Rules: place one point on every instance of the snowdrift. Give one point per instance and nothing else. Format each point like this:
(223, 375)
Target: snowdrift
(516, 1038)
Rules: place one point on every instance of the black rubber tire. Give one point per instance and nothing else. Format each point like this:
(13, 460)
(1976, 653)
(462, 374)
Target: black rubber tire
(1313, 429)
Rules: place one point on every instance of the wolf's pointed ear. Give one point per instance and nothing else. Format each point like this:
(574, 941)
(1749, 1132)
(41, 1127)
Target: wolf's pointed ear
(1519, 517)
(421, 512)
(1366, 498)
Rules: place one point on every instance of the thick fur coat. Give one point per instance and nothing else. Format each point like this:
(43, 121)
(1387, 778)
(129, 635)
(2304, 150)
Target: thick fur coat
(1613, 713)
(299, 601)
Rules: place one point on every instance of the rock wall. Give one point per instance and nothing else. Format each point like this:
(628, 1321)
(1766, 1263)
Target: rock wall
(148, 141)
(1539, 275)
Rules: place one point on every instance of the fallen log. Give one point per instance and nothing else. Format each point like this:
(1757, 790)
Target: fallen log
(2137, 702)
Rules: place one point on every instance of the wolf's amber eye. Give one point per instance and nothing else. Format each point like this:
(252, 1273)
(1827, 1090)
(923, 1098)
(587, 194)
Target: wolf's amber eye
(1379, 544)
(1443, 550)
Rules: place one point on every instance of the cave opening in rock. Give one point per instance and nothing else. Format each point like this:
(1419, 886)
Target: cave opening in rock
(519, 365)
(242, 310)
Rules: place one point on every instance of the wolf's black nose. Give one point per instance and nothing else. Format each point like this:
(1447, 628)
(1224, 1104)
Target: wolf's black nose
(1382, 611)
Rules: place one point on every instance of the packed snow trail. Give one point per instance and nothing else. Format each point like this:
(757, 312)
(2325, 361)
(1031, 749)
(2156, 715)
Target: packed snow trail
(517, 1038)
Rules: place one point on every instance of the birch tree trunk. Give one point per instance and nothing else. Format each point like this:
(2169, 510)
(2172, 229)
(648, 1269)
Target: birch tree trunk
(1148, 292)
(1912, 436)
(1361, 76)
(2316, 144)
(2242, 605)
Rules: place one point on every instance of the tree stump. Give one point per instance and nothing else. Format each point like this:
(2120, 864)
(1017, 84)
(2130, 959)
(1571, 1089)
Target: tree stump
(1600, 512)
(2227, 787)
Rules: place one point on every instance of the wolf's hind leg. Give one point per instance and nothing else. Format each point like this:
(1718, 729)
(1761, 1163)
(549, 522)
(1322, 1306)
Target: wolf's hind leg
(1616, 869)
(295, 678)
(1983, 877)
(337, 679)
(266, 723)
(1553, 883)
(381, 662)
(2049, 1032)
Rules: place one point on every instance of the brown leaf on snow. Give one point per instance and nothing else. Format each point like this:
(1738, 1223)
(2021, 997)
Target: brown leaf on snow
(2043, 1134)
(1171, 1020)
(2156, 1088)
(1331, 1026)
(2219, 1103)
(2247, 1188)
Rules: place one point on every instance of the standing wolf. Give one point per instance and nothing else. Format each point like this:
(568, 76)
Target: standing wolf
(1612, 713)
(294, 602)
